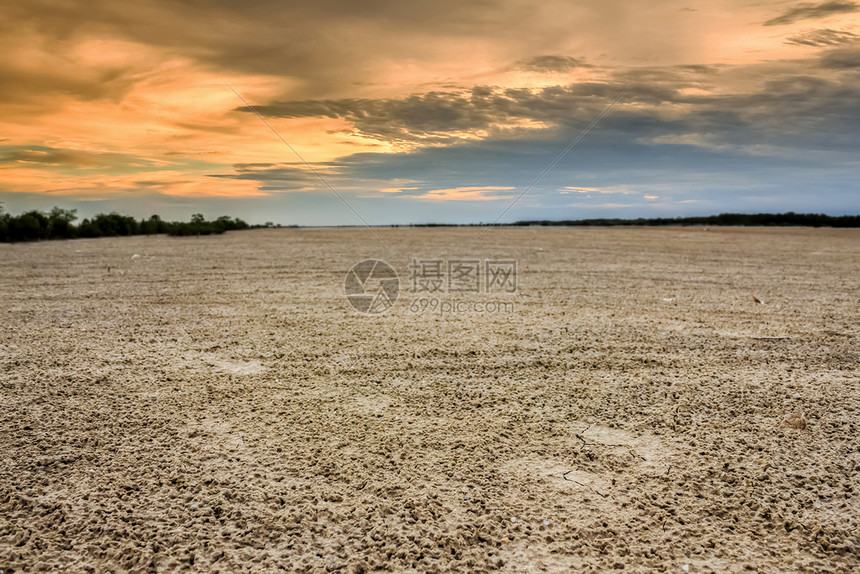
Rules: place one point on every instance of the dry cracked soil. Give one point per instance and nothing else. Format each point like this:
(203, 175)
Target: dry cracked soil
(670, 400)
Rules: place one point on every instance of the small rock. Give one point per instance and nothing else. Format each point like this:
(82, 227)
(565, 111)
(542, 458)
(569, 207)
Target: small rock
(513, 518)
(135, 256)
(194, 506)
(685, 567)
(546, 522)
(795, 421)
(796, 395)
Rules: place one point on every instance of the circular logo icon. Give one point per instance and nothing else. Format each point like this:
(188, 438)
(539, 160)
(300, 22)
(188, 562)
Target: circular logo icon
(372, 286)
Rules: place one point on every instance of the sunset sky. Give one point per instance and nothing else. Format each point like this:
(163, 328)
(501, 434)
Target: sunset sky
(439, 111)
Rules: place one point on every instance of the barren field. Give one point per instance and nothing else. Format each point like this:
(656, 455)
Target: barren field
(216, 404)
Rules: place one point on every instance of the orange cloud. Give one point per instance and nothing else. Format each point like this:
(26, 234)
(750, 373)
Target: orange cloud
(104, 186)
(570, 189)
(485, 193)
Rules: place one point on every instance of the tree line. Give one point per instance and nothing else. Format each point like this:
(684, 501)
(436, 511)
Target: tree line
(729, 219)
(737, 219)
(59, 223)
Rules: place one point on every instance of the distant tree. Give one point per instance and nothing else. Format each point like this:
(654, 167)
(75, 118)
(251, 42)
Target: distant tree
(30, 226)
(88, 229)
(4, 224)
(60, 223)
(113, 224)
(227, 223)
(222, 224)
(160, 225)
(153, 225)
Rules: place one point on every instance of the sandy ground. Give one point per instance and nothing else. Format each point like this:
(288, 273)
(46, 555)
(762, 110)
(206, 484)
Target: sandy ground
(215, 404)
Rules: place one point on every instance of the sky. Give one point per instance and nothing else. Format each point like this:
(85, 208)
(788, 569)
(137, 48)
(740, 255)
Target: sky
(337, 112)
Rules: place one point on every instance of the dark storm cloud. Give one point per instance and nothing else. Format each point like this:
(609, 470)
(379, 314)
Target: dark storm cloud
(440, 116)
(550, 64)
(792, 114)
(808, 10)
(823, 37)
(808, 108)
(276, 176)
(793, 118)
(845, 59)
(48, 157)
(407, 118)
